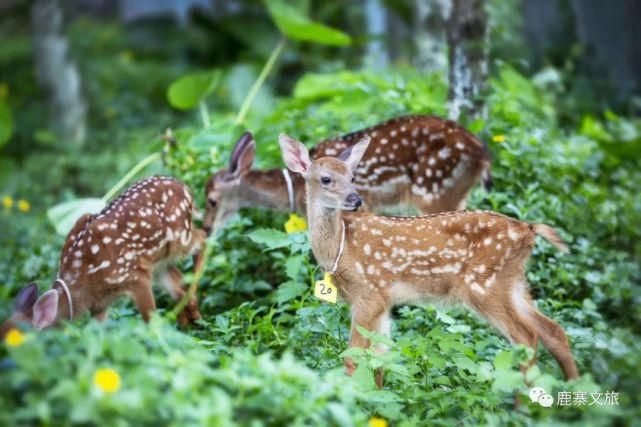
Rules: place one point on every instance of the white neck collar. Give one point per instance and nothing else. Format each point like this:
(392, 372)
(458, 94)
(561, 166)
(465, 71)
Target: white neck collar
(290, 190)
(67, 293)
(341, 246)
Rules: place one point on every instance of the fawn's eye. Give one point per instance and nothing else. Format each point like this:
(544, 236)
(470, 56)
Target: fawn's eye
(353, 179)
(212, 202)
(325, 180)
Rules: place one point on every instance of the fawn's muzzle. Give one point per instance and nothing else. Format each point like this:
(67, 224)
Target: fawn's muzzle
(354, 201)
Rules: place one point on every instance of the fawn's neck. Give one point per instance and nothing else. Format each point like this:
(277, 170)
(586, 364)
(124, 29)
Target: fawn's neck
(325, 231)
(268, 189)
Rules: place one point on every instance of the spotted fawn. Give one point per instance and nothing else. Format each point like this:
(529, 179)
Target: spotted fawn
(115, 252)
(474, 258)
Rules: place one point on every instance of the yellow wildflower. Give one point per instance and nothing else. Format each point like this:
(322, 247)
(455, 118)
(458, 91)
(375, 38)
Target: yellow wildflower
(377, 422)
(498, 138)
(107, 380)
(14, 338)
(295, 223)
(23, 205)
(7, 202)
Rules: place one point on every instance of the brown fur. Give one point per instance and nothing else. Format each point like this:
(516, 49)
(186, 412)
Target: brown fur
(474, 258)
(423, 163)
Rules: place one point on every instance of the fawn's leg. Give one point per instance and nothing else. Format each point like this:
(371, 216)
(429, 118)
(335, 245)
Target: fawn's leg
(144, 297)
(383, 328)
(369, 317)
(171, 279)
(555, 340)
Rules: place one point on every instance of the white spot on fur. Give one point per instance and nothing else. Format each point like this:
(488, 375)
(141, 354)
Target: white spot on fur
(102, 265)
(478, 289)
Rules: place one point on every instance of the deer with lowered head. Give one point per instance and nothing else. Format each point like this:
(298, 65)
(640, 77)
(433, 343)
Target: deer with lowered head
(423, 163)
(473, 258)
(114, 253)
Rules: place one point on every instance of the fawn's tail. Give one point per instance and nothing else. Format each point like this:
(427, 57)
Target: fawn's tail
(551, 235)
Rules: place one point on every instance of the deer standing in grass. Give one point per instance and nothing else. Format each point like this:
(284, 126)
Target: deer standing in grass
(114, 253)
(420, 162)
(474, 258)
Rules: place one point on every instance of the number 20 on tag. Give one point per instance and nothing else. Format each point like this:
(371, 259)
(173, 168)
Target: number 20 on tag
(325, 289)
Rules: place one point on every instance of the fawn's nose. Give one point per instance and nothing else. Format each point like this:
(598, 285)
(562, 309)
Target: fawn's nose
(207, 229)
(355, 200)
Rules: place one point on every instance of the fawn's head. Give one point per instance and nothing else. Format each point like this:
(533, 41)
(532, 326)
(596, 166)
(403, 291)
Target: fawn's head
(329, 180)
(223, 199)
(28, 308)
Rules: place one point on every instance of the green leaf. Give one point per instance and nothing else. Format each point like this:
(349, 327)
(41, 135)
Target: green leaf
(186, 92)
(293, 266)
(64, 215)
(293, 24)
(269, 237)
(364, 378)
(289, 290)
(503, 360)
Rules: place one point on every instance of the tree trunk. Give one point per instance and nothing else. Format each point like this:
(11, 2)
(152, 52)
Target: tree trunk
(466, 38)
(57, 74)
(429, 26)
(375, 23)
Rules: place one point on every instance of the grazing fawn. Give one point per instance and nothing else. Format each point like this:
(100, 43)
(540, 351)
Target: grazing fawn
(420, 162)
(114, 253)
(475, 258)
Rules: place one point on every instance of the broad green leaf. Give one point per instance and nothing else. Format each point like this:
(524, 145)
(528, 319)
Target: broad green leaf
(293, 24)
(186, 92)
(507, 380)
(289, 290)
(269, 237)
(64, 215)
(503, 361)
(364, 378)
(293, 266)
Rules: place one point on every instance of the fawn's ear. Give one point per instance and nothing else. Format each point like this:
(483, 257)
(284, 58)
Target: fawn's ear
(353, 155)
(295, 154)
(45, 310)
(243, 155)
(26, 298)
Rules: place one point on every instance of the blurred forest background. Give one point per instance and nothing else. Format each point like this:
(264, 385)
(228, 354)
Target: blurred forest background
(88, 88)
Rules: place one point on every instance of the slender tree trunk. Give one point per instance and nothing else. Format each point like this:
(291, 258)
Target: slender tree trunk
(430, 23)
(466, 38)
(375, 24)
(57, 73)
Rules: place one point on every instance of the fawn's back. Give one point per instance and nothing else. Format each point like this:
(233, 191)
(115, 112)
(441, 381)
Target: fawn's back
(454, 255)
(148, 223)
(420, 161)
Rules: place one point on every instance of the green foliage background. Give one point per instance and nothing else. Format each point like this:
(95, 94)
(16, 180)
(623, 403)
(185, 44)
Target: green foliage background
(268, 353)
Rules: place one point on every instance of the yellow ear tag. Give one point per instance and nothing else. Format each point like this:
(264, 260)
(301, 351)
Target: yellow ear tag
(325, 289)
(295, 223)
